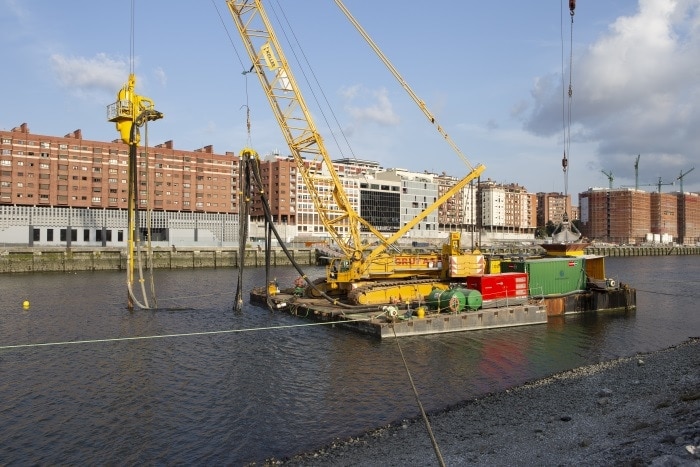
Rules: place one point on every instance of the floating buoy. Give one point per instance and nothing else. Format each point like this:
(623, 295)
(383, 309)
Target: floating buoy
(25, 304)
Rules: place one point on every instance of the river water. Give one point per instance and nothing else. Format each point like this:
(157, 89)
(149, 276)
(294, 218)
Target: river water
(205, 385)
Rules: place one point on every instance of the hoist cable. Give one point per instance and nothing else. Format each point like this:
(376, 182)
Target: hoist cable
(567, 95)
(149, 226)
(131, 37)
(317, 85)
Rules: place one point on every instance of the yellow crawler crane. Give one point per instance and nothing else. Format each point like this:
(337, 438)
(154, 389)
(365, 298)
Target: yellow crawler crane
(368, 272)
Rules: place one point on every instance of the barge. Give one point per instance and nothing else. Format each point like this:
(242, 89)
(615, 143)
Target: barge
(513, 293)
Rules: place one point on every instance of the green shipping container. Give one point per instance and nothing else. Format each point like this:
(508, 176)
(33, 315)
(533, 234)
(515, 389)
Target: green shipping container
(512, 266)
(554, 276)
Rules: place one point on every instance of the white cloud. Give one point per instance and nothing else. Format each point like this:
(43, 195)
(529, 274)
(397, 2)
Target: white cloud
(636, 90)
(376, 106)
(15, 8)
(161, 76)
(85, 76)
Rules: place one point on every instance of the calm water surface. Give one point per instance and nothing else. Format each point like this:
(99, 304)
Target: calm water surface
(267, 387)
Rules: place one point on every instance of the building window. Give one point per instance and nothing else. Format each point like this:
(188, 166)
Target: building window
(36, 234)
(49, 235)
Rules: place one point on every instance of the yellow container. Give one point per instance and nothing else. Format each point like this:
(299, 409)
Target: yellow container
(271, 289)
(420, 312)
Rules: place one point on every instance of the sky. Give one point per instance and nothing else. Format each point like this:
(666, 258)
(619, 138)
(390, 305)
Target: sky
(491, 73)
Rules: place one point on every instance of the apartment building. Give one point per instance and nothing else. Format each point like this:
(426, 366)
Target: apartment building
(459, 212)
(73, 191)
(507, 209)
(417, 192)
(551, 207)
(689, 218)
(632, 216)
(664, 214)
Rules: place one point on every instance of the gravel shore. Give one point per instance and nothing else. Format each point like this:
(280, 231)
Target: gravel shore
(641, 410)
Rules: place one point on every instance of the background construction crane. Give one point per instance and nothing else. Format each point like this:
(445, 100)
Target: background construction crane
(682, 175)
(658, 184)
(610, 177)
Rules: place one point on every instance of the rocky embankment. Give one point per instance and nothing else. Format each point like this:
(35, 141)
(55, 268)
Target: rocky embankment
(641, 410)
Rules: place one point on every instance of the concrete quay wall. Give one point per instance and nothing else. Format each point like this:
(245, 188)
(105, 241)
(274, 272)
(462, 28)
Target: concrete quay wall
(23, 260)
(660, 250)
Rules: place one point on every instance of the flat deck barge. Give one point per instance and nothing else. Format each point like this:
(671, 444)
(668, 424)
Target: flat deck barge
(381, 322)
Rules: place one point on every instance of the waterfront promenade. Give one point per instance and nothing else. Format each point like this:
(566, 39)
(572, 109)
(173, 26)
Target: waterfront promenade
(53, 259)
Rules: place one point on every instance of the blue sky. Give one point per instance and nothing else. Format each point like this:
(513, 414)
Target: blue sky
(491, 73)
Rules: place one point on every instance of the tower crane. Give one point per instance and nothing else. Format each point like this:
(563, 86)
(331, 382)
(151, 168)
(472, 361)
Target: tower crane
(682, 175)
(658, 184)
(610, 177)
(366, 273)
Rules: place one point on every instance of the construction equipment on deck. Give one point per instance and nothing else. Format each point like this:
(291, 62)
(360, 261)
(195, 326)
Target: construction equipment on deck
(370, 270)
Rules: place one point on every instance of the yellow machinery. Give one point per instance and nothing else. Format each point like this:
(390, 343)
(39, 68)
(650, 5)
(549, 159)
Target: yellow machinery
(367, 272)
(128, 113)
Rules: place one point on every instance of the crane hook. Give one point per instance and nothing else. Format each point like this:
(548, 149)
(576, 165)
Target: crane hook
(572, 7)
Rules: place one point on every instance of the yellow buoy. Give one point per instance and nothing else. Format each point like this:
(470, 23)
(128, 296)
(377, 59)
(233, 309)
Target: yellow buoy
(420, 312)
(25, 304)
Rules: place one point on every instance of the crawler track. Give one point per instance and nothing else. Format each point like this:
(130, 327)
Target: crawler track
(383, 292)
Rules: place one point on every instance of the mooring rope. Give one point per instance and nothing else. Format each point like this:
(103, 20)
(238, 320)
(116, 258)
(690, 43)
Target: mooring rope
(436, 448)
(166, 336)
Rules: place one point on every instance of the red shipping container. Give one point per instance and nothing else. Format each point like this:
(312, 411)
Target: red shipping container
(498, 286)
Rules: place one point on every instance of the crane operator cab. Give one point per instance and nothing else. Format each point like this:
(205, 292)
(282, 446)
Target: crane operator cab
(339, 269)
